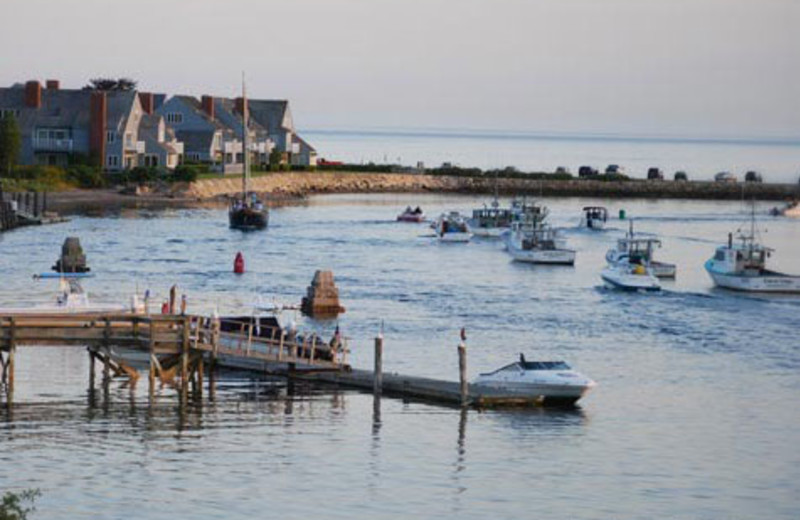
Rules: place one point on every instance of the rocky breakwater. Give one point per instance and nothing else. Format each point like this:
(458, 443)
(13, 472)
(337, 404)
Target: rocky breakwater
(301, 184)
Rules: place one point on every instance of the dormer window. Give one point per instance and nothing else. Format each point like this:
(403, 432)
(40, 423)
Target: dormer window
(111, 137)
(175, 118)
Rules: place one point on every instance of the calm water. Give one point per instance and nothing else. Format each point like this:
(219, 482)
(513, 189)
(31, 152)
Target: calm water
(778, 161)
(694, 416)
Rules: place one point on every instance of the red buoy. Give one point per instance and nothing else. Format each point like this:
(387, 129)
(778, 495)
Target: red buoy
(238, 264)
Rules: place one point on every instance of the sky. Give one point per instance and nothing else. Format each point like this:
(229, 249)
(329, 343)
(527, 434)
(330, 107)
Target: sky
(720, 68)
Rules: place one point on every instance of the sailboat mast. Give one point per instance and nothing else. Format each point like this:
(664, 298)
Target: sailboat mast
(245, 142)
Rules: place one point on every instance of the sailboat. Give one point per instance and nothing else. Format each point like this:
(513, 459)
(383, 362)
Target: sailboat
(247, 213)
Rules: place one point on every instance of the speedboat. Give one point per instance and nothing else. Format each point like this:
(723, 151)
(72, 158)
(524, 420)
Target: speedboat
(411, 215)
(549, 382)
(742, 267)
(451, 227)
(72, 299)
(640, 250)
(538, 244)
(627, 276)
(594, 217)
(791, 209)
(491, 222)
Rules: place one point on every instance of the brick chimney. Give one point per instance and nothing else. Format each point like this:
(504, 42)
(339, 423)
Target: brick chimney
(33, 94)
(53, 84)
(147, 101)
(208, 106)
(239, 105)
(98, 112)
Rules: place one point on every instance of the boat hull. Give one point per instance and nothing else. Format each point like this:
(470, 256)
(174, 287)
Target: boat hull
(768, 283)
(488, 232)
(455, 237)
(593, 224)
(543, 256)
(547, 394)
(248, 219)
(613, 279)
(411, 218)
(663, 270)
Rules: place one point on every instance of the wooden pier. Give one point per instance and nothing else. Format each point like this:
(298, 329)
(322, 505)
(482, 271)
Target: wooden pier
(25, 209)
(184, 349)
(171, 347)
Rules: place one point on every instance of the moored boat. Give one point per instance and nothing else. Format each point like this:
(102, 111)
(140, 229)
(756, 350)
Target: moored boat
(451, 227)
(742, 266)
(491, 222)
(537, 244)
(549, 382)
(411, 215)
(640, 250)
(594, 217)
(72, 299)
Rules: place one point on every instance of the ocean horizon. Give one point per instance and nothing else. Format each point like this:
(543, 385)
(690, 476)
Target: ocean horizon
(777, 158)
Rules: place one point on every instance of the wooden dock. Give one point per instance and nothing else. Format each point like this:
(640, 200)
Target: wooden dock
(182, 350)
(25, 209)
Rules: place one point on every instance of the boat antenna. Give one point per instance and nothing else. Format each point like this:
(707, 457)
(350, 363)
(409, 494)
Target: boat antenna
(245, 142)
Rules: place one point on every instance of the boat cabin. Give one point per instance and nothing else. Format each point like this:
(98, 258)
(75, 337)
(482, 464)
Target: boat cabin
(747, 257)
(640, 250)
(596, 213)
(492, 217)
(526, 366)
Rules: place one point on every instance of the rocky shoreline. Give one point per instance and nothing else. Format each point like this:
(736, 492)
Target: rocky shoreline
(302, 184)
(297, 185)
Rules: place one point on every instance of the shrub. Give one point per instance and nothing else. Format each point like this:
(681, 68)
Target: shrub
(187, 173)
(11, 505)
(86, 176)
(141, 175)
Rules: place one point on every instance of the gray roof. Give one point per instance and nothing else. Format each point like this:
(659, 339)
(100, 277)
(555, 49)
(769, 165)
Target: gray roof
(303, 143)
(195, 140)
(197, 106)
(225, 110)
(269, 113)
(67, 108)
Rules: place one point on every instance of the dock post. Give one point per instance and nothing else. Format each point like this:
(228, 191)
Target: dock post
(151, 376)
(35, 203)
(212, 369)
(91, 369)
(12, 348)
(462, 369)
(106, 354)
(377, 382)
(200, 369)
(185, 362)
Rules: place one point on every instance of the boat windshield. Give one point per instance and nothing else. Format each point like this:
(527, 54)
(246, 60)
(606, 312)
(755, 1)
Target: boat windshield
(544, 365)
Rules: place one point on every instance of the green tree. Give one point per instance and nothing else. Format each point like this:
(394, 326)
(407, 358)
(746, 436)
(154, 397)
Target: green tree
(11, 506)
(111, 84)
(10, 143)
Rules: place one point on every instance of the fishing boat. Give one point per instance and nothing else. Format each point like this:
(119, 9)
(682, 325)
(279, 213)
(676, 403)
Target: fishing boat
(594, 217)
(451, 227)
(72, 299)
(640, 250)
(247, 213)
(411, 215)
(630, 275)
(491, 222)
(538, 243)
(550, 382)
(741, 266)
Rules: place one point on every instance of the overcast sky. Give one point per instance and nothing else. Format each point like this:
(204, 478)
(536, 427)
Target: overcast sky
(657, 67)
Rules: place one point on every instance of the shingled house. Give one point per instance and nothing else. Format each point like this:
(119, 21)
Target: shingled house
(59, 125)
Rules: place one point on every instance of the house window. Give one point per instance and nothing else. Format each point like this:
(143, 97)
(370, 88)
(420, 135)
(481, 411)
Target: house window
(111, 137)
(129, 140)
(9, 112)
(151, 161)
(174, 118)
(112, 161)
(193, 156)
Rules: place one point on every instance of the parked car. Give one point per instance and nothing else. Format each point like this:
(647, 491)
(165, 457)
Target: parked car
(615, 168)
(587, 171)
(725, 177)
(655, 174)
(680, 175)
(753, 176)
(562, 169)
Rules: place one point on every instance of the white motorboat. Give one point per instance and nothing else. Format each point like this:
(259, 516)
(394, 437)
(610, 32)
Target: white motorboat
(742, 267)
(791, 209)
(626, 276)
(551, 382)
(594, 217)
(72, 299)
(640, 250)
(451, 227)
(538, 244)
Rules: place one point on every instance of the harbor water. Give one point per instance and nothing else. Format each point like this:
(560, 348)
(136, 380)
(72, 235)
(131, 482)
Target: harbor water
(693, 416)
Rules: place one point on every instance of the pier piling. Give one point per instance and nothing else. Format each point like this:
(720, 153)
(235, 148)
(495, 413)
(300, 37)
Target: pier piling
(462, 373)
(378, 375)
